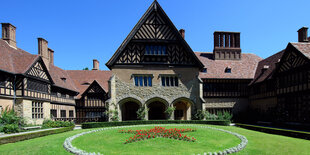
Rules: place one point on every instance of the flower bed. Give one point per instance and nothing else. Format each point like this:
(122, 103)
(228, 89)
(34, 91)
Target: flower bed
(159, 132)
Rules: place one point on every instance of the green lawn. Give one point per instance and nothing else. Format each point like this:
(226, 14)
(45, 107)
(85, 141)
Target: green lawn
(259, 143)
(110, 142)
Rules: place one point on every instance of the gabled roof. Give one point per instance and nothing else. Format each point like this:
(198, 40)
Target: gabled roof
(18, 61)
(15, 60)
(240, 69)
(89, 76)
(58, 74)
(91, 86)
(262, 74)
(303, 47)
(155, 7)
(265, 74)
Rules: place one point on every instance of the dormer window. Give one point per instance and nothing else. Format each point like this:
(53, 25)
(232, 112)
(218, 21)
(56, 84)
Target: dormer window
(228, 70)
(155, 50)
(63, 79)
(85, 83)
(204, 70)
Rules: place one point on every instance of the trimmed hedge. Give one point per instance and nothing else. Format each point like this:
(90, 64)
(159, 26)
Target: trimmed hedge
(277, 131)
(16, 138)
(123, 123)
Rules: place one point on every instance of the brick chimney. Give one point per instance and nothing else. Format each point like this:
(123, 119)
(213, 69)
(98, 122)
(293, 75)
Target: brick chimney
(182, 32)
(51, 55)
(95, 64)
(303, 34)
(226, 45)
(43, 51)
(9, 34)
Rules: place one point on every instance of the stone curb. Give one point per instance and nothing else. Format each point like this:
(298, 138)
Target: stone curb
(69, 147)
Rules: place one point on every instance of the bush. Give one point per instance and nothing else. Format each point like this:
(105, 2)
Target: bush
(199, 115)
(16, 138)
(56, 124)
(124, 123)
(142, 112)
(169, 111)
(10, 122)
(210, 116)
(10, 128)
(227, 115)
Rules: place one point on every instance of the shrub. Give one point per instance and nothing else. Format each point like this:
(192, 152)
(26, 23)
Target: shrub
(10, 122)
(169, 111)
(200, 115)
(113, 114)
(142, 112)
(124, 123)
(20, 137)
(220, 115)
(210, 116)
(11, 128)
(56, 124)
(227, 115)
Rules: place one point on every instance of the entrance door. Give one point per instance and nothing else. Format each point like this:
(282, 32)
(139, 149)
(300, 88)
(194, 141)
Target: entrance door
(129, 111)
(157, 111)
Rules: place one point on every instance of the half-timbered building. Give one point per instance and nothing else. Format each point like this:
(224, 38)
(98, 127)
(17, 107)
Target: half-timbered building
(280, 89)
(155, 68)
(93, 92)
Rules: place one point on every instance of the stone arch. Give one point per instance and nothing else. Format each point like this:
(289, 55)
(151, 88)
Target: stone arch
(129, 107)
(157, 107)
(183, 107)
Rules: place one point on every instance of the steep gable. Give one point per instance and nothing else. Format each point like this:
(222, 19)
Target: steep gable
(39, 71)
(154, 40)
(292, 58)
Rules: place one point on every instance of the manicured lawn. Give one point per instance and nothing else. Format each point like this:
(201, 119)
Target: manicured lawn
(110, 142)
(259, 143)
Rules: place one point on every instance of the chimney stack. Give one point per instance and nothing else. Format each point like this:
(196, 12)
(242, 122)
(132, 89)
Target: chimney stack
(182, 32)
(303, 34)
(9, 34)
(43, 51)
(51, 52)
(95, 64)
(226, 45)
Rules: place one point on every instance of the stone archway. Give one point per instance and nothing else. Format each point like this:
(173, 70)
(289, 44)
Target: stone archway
(182, 109)
(157, 110)
(129, 111)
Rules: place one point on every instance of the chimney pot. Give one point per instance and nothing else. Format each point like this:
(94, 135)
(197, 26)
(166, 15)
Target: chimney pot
(303, 34)
(9, 34)
(95, 64)
(182, 32)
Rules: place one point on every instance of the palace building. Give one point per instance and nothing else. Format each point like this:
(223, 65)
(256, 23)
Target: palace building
(155, 68)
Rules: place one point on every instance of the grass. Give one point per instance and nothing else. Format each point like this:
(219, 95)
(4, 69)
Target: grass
(259, 143)
(110, 142)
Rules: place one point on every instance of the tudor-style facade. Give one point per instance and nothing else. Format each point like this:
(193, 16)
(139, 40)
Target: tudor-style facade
(280, 89)
(154, 67)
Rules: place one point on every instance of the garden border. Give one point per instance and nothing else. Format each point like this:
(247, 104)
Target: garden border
(25, 136)
(70, 148)
(139, 122)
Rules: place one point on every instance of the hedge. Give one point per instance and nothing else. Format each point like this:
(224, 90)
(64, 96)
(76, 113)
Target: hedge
(123, 123)
(20, 137)
(278, 131)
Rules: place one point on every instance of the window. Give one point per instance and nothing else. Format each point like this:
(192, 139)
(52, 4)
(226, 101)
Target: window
(155, 50)
(36, 85)
(70, 113)
(204, 70)
(172, 81)
(62, 113)
(227, 70)
(143, 80)
(37, 110)
(54, 113)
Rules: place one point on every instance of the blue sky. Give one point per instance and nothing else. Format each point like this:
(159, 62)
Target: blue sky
(79, 31)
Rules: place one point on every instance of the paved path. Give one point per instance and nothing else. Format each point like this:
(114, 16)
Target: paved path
(20, 133)
(77, 127)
